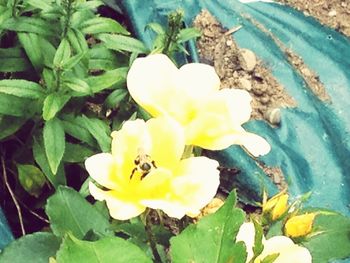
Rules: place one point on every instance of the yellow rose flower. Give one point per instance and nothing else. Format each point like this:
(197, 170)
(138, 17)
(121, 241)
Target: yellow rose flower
(145, 169)
(276, 206)
(287, 251)
(299, 226)
(212, 118)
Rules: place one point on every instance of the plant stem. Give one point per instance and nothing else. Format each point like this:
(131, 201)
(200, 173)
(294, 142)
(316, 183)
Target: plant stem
(174, 27)
(69, 9)
(187, 152)
(15, 2)
(151, 237)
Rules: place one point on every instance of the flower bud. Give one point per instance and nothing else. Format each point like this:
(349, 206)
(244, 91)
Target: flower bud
(299, 226)
(276, 206)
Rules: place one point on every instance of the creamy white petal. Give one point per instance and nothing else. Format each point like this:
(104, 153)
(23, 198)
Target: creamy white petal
(195, 184)
(168, 141)
(198, 80)
(101, 168)
(254, 144)
(288, 251)
(246, 234)
(118, 209)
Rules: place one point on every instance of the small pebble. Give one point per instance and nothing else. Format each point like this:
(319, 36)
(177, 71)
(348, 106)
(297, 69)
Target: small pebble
(245, 84)
(306, 72)
(265, 100)
(332, 13)
(229, 43)
(247, 59)
(273, 116)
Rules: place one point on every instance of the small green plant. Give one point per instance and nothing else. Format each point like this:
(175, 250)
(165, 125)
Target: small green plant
(170, 39)
(63, 70)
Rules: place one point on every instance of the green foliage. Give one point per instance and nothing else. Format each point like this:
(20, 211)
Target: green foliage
(52, 69)
(212, 238)
(54, 142)
(34, 248)
(170, 39)
(106, 250)
(330, 239)
(31, 178)
(69, 212)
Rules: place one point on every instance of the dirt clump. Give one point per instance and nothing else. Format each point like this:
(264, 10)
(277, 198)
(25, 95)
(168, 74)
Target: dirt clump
(333, 13)
(240, 68)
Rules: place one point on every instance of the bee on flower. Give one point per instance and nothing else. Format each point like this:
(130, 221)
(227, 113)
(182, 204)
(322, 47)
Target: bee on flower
(145, 169)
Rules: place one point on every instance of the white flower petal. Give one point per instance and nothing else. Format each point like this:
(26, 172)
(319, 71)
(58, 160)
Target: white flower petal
(253, 143)
(198, 80)
(246, 234)
(288, 251)
(100, 168)
(118, 209)
(194, 185)
(168, 141)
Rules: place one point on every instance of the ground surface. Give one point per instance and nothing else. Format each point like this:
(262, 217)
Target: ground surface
(333, 13)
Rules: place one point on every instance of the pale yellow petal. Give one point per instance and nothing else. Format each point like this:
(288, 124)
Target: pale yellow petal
(102, 168)
(198, 80)
(253, 143)
(288, 251)
(150, 75)
(195, 184)
(118, 209)
(168, 141)
(132, 140)
(152, 83)
(246, 234)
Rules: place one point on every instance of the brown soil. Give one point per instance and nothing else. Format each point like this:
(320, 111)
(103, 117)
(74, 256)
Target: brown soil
(333, 13)
(239, 68)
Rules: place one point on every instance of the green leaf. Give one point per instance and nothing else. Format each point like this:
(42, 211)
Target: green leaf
(106, 250)
(156, 28)
(80, 16)
(77, 40)
(108, 79)
(113, 99)
(270, 258)
(54, 143)
(331, 239)
(212, 238)
(9, 125)
(31, 45)
(33, 248)
(41, 159)
(77, 85)
(16, 106)
(104, 58)
(92, 4)
(187, 34)
(75, 126)
(259, 234)
(100, 131)
(123, 43)
(69, 212)
(53, 103)
(76, 153)
(102, 25)
(13, 60)
(30, 25)
(63, 53)
(44, 5)
(31, 178)
(49, 78)
(73, 61)
(21, 88)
